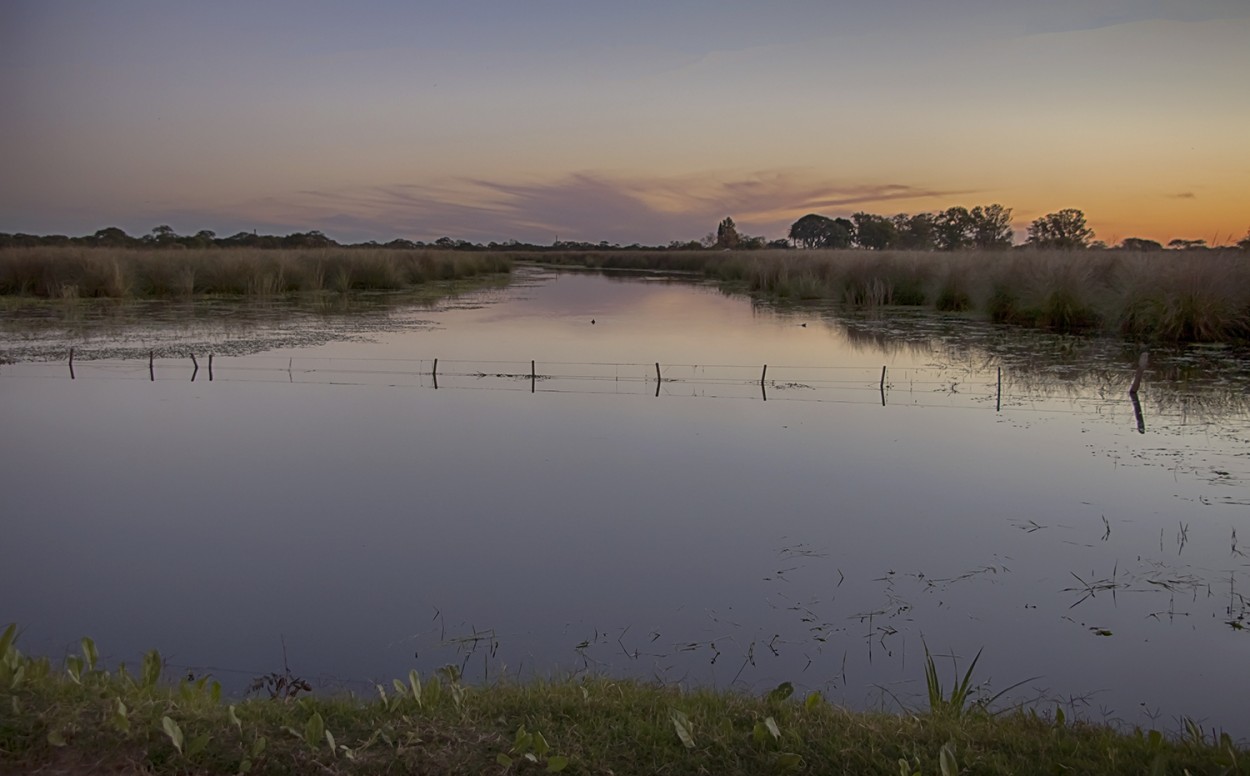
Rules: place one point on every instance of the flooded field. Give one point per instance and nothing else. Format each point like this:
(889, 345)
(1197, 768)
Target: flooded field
(630, 476)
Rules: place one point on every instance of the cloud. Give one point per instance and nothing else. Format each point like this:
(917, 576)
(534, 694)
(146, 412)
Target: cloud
(581, 206)
(1182, 195)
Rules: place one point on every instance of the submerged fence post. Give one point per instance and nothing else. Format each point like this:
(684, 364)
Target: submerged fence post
(196, 370)
(71, 363)
(210, 367)
(151, 366)
(533, 376)
(883, 385)
(1142, 361)
(434, 374)
(658, 379)
(998, 407)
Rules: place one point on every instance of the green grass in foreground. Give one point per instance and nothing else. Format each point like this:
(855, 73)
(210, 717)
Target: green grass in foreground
(81, 718)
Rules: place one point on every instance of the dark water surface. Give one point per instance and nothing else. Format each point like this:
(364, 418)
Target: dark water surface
(321, 491)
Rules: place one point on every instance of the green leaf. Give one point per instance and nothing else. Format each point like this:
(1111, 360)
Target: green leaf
(314, 731)
(759, 733)
(198, 744)
(56, 738)
(89, 653)
(789, 761)
(503, 760)
(903, 768)
(7, 639)
(813, 700)
(1059, 717)
(333, 747)
(541, 747)
(73, 667)
(234, 718)
(781, 692)
(771, 724)
(531, 757)
(557, 763)
(214, 692)
(258, 746)
(414, 679)
(151, 669)
(245, 766)
(173, 731)
(946, 759)
(681, 723)
(120, 719)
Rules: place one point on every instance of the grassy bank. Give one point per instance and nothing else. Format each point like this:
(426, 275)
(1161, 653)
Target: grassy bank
(74, 272)
(1174, 296)
(80, 718)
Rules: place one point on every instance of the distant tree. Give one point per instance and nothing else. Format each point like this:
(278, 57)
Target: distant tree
(1180, 244)
(817, 231)
(990, 227)
(915, 233)
(727, 234)
(1244, 243)
(780, 243)
(874, 232)
(162, 235)
(1140, 244)
(112, 237)
(953, 229)
(1065, 230)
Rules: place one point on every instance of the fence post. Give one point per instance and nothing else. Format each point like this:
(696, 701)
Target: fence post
(151, 367)
(71, 363)
(196, 370)
(210, 367)
(533, 376)
(998, 407)
(434, 374)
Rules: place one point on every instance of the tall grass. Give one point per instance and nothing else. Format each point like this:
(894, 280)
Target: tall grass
(75, 272)
(1166, 296)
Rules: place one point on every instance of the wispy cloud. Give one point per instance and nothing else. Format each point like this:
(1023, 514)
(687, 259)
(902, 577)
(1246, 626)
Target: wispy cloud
(1182, 195)
(585, 206)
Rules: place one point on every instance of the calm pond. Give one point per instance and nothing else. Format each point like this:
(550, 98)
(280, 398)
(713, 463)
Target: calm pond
(331, 490)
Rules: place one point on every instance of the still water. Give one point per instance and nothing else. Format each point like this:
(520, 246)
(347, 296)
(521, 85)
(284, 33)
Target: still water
(539, 504)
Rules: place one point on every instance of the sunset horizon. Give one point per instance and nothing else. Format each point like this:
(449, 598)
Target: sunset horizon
(489, 123)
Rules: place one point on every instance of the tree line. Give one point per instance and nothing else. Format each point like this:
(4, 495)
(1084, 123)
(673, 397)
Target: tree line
(983, 227)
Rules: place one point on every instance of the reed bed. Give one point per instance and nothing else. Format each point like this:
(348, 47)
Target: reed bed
(1171, 296)
(76, 272)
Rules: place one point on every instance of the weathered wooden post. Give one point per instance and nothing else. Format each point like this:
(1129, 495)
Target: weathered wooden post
(998, 407)
(196, 370)
(658, 379)
(151, 366)
(71, 363)
(210, 367)
(533, 376)
(883, 385)
(434, 374)
(1142, 361)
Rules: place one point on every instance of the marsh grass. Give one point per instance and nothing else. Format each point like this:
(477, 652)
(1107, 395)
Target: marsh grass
(80, 717)
(1169, 296)
(58, 273)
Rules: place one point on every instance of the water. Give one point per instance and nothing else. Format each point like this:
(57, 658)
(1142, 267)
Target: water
(813, 526)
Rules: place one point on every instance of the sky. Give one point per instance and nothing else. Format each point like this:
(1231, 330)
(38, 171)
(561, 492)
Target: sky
(647, 121)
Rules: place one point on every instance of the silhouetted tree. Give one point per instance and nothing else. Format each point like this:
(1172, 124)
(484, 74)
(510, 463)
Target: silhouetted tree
(1140, 244)
(112, 237)
(1065, 230)
(874, 232)
(1180, 244)
(916, 232)
(727, 234)
(953, 229)
(817, 231)
(990, 227)
(1244, 243)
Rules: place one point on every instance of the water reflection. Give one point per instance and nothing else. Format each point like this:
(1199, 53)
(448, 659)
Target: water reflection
(545, 498)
